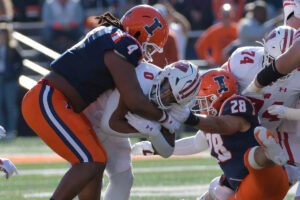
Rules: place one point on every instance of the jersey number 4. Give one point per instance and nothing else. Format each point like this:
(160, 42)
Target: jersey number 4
(216, 145)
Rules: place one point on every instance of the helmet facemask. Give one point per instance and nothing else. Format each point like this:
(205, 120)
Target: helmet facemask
(161, 94)
(268, 58)
(150, 49)
(205, 105)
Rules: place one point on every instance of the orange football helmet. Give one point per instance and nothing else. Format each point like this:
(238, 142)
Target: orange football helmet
(215, 87)
(148, 26)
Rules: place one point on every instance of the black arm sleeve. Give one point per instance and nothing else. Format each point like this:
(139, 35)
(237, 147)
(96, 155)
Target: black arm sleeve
(268, 74)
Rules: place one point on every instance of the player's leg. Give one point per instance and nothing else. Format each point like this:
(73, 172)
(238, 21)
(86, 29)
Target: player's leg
(272, 149)
(93, 189)
(118, 168)
(265, 180)
(69, 134)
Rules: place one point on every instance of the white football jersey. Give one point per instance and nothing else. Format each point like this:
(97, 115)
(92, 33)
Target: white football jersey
(107, 103)
(244, 64)
(118, 149)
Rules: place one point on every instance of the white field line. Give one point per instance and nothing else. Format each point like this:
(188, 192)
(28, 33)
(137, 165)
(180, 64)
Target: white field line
(157, 191)
(150, 191)
(62, 171)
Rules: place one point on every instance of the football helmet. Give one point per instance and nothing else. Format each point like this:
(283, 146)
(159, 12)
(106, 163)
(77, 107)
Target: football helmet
(178, 82)
(148, 26)
(277, 42)
(215, 87)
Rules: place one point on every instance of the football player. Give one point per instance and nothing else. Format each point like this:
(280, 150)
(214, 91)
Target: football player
(177, 83)
(279, 100)
(105, 59)
(288, 61)
(6, 165)
(248, 154)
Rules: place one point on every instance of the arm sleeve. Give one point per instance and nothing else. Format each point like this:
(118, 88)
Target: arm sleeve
(191, 145)
(129, 48)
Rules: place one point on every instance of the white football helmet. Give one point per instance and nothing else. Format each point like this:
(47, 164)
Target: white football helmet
(178, 82)
(277, 42)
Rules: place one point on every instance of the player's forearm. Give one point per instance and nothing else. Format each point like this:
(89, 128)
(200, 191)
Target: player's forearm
(191, 145)
(290, 60)
(219, 125)
(142, 107)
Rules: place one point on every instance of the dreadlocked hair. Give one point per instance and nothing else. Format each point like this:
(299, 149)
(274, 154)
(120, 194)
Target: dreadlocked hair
(108, 19)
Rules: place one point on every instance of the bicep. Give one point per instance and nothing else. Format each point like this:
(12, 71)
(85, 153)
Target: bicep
(124, 76)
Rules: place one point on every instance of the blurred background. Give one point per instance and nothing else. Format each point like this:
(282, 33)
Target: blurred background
(34, 32)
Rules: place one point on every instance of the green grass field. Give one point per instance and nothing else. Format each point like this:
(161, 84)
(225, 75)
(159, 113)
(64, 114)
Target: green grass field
(163, 179)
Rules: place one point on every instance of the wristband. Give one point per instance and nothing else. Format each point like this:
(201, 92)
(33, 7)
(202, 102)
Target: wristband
(192, 120)
(268, 74)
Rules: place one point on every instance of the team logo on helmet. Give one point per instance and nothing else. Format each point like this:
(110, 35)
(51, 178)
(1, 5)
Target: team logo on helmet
(221, 83)
(153, 27)
(181, 66)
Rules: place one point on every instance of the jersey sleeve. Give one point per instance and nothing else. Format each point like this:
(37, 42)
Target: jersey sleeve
(128, 47)
(297, 35)
(239, 106)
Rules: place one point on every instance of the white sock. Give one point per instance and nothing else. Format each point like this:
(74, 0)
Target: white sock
(119, 186)
(251, 159)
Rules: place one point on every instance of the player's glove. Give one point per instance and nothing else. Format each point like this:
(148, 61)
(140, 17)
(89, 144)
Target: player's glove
(143, 148)
(278, 110)
(146, 127)
(179, 112)
(2, 132)
(252, 88)
(7, 167)
(169, 122)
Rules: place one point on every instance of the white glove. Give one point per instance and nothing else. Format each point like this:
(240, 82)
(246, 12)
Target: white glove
(143, 148)
(7, 167)
(252, 88)
(144, 126)
(170, 122)
(2, 132)
(278, 110)
(179, 112)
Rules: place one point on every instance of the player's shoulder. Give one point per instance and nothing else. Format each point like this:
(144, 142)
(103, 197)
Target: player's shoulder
(235, 97)
(246, 55)
(147, 67)
(127, 45)
(237, 104)
(118, 35)
(245, 58)
(146, 73)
